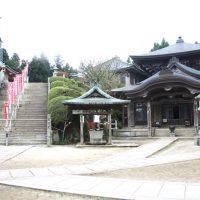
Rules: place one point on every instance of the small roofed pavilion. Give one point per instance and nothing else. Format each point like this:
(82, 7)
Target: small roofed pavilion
(95, 101)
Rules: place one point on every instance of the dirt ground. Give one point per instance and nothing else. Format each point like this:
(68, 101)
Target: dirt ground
(59, 155)
(188, 171)
(184, 172)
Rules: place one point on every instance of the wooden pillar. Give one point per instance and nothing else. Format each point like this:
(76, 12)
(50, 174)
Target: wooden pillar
(123, 117)
(110, 131)
(81, 129)
(129, 115)
(131, 121)
(149, 118)
(196, 123)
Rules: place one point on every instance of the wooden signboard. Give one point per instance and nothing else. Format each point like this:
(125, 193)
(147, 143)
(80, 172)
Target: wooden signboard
(89, 112)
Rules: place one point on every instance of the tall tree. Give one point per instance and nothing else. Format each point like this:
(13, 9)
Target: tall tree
(103, 74)
(58, 61)
(158, 46)
(69, 69)
(5, 55)
(14, 62)
(39, 69)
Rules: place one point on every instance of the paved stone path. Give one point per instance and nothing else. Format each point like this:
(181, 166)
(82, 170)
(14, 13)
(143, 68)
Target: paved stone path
(110, 187)
(68, 178)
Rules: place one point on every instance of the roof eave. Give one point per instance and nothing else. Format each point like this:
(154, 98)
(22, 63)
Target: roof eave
(166, 56)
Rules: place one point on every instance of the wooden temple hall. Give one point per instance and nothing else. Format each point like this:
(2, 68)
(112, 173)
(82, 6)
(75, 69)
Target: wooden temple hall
(163, 87)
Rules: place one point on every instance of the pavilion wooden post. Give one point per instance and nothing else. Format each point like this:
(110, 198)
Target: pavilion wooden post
(149, 118)
(81, 129)
(196, 123)
(110, 131)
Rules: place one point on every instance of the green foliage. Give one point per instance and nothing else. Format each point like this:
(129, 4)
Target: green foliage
(117, 115)
(58, 61)
(39, 69)
(14, 62)
(59, 84)
(23, 64)
(5, 55)
(58, 111)
(59, 78)
(158, 46)
(63, 91)
(69, 69)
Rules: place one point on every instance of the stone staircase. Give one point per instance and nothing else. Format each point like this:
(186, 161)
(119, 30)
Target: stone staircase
(30, 125)
(132, 133)
(179, 131)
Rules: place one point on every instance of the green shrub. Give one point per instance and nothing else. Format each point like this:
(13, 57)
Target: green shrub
(57, 78)
(59, 84)
(117, 115)
(58, 111)
(58, 91)
(67, 80)
(63, 91)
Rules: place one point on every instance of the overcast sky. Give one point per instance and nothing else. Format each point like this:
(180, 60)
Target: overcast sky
(82, 30)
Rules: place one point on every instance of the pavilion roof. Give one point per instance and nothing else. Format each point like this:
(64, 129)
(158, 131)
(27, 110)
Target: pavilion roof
(96, 97)
(10, 70)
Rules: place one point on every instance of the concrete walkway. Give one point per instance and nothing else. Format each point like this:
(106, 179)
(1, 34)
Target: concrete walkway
(110, 187)
(68, 178)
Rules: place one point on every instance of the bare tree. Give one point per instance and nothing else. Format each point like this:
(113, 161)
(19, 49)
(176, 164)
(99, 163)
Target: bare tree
(104, 73)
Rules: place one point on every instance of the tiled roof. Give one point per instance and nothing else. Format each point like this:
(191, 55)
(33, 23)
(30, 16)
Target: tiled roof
(179, 47)
(96, 96)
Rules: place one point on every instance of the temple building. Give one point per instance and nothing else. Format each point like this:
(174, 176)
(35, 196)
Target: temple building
(162, 86)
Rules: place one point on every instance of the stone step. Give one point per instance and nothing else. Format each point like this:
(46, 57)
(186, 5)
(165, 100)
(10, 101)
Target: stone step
(159, 132)
(24, 136)
(32, 111)
(30, 129)
(128, 132)
(180, 132)
(27, 142)
(22, 116)
(28, 126)
(22, 122)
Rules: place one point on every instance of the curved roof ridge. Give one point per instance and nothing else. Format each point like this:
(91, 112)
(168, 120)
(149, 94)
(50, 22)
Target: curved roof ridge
(92, 90)
(188, 70)
(88, 100)
(164, 76)
(167, 78)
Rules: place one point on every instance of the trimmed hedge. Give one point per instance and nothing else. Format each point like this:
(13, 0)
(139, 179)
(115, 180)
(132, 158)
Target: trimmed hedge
(63, 91)
(59, 84)
(57, 109)
(58, 78)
